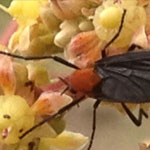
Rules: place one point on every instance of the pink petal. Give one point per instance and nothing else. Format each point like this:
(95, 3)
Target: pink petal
(12, 27)
(140, 38)
(7, 76)
(50, 102)
(84, 49)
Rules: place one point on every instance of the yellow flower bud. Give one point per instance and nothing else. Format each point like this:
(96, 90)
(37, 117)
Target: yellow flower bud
(110, 18)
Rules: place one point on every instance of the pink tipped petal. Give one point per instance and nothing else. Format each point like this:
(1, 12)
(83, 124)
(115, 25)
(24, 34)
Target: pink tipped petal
(12, 27)
(49, 103)
(140, 38)
(7, 76)
(68, 9)
(84, 49)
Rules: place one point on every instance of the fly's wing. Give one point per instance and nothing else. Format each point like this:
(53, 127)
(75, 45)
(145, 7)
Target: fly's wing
(125, 78)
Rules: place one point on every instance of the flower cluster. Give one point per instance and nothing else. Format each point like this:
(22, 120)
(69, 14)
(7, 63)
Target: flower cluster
(79, 29)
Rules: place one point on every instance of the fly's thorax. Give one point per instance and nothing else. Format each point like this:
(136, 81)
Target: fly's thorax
(84, 80)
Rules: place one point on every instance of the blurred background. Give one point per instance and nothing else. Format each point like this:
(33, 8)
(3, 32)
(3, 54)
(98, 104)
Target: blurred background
(5, 2)
(4, 17)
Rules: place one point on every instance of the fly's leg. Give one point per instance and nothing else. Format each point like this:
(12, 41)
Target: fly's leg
(136, 121)
(55, 58)
(103, 52)
(96, 104)
(51, 117)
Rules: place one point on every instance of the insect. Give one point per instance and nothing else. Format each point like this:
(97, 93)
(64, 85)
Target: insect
(121, 78)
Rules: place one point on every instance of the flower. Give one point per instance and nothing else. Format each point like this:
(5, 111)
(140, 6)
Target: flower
(19, 112)
(64, 141)
(34, 35)
(104, 16)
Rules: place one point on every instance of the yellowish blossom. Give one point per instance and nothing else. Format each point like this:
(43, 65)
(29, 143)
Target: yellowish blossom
(14, 119)
(134, 18)
(65, 141)
(25, 12)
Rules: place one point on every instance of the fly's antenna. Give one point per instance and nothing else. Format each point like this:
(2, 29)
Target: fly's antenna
(116, 35)
(94, 124)
(67, 85)
(61, 111)
(55, 58)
